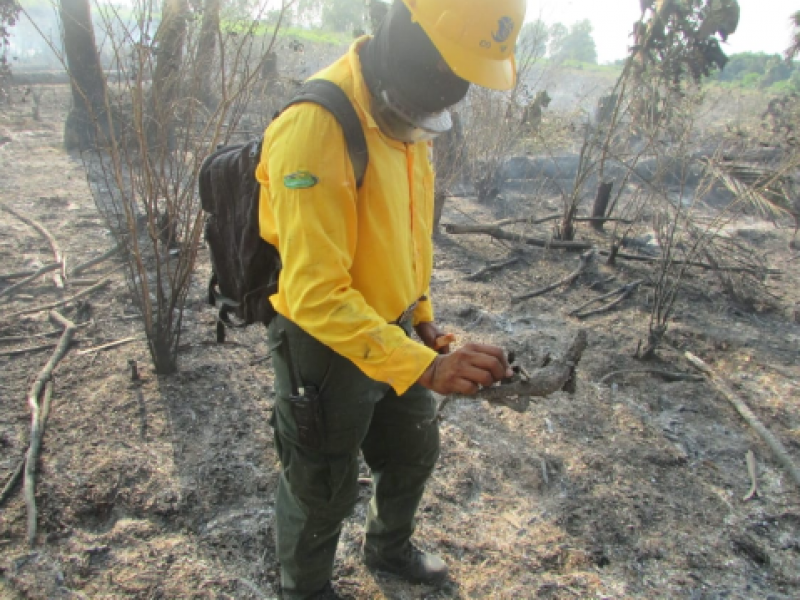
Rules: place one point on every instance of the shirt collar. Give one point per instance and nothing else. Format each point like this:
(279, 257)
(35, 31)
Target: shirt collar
(361, 93)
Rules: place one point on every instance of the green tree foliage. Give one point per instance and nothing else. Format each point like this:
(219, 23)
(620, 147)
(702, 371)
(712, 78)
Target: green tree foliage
(794, 49)
(533, 39)
(557, 33)
(750, 69)
(338, 15)
(576, 43)
(343, 15)
(9, 10)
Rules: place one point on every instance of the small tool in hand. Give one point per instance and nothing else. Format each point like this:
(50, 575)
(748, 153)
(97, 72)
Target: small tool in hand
(443, 341)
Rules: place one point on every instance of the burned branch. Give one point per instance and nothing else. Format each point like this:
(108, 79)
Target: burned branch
(666, 375)
(585, 262)
(557, 375)
(778, 449)
(491, 268)
(19, 351)
(622, 293)
(29, 311)
(46, 269)
(77, 270)
(59, 278)
(501, 234)
(42, 387)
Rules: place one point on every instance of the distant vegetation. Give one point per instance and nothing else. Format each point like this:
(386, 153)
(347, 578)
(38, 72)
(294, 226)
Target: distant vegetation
(760, 71)
(559, 42)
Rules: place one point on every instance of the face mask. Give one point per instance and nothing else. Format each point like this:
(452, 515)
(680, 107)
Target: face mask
(410, 83)
(399, 124)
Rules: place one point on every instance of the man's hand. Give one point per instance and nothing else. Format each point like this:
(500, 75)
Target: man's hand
(463, 371)
(433, 337)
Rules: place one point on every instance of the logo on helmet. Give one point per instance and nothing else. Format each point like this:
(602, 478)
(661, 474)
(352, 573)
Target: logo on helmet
(504, 28)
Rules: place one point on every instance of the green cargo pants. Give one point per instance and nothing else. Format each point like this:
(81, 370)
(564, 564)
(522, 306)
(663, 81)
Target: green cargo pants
(318, 487)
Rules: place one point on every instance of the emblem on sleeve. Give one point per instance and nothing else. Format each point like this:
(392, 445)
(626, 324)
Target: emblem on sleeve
(300, 180)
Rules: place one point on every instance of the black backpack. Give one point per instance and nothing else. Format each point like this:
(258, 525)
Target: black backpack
(244, 267)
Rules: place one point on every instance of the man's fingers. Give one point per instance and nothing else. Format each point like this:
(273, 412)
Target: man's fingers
(465, 387)
(466, 369)
(493, 362)
(494, 351)
(478, 375)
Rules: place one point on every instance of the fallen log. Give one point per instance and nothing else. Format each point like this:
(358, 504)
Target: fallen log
(539, 220)
(778, 449)
(42, 384)
(585, 261)
(32, 456)
(501, 234)
(529, 220)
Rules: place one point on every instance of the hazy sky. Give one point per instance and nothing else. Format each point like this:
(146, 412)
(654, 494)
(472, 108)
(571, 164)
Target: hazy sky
(763, 27)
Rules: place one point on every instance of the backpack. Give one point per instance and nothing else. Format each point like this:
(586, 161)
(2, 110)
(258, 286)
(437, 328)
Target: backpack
(244, 267)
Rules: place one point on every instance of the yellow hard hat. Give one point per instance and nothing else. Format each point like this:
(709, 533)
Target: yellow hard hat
(476, 38)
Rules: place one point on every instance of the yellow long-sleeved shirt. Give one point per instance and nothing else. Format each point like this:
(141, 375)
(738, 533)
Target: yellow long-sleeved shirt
(353, 259)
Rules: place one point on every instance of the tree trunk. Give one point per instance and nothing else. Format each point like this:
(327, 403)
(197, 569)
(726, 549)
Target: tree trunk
(601, 203)
(165, 95)
(87, 119)
(204, 57)
(566, 230)
(163, 351)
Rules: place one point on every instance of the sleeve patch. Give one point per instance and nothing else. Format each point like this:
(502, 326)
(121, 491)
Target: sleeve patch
(300, 180)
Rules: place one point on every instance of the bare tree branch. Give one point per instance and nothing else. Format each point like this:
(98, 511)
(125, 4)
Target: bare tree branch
(668, 375)
(38, 417)
(27, 311)
(32, 277)
(586, 260)
(501, 234)
(18, 351)
(622, 292)
(94, 261)
(492, 267)
(59, 278)
(778, 450)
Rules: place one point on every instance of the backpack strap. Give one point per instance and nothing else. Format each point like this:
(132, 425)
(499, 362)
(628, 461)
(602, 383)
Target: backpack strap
(331, 97)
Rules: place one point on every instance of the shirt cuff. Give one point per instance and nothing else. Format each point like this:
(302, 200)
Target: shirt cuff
(406, 365)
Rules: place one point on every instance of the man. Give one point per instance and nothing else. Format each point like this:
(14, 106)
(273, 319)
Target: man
(354, 286)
